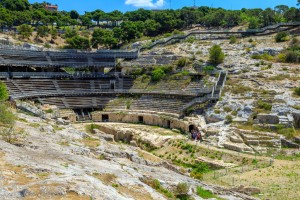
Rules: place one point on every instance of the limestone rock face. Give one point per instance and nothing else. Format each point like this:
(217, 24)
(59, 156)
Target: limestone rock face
(267, 119)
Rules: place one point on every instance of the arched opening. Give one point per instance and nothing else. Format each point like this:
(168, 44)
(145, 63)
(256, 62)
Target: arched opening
(105, 118)
(168, 124)
(141, 119)
(191, 127)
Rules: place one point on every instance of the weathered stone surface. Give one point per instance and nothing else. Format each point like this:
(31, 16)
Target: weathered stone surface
(267, 119)
(289, 144)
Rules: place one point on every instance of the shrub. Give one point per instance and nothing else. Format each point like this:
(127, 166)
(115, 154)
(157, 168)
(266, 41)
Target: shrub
(207, 69)
(281, 57)
(190, 40)
(292, 57)
(182, 190)
(158, 74)
(216, 55)
(297, 91)
(181, 62)
(282, 36)
(264, 105)
(250, 40)
(232, 40)
(228, 119)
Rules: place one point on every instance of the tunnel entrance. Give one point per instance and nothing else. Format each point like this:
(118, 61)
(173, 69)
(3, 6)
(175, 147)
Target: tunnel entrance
(191, 127)
(105, 118)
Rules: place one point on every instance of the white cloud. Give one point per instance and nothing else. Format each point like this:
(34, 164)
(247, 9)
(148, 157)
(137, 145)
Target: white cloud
(145, 3)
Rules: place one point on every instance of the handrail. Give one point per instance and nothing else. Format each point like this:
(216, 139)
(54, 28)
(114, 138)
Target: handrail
(252, 31)
(86, 92)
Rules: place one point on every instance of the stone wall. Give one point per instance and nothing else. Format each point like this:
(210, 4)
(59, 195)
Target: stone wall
(267, 119)
(148, 119)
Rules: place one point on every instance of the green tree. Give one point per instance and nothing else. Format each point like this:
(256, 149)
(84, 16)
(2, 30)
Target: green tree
(70, 33)
(25, 31)
(42, 31)
(16, 5)
(253, 23)
(53, 34)
(103, 37)
(98, 15)
(130, 31)
(216, 55)
(78, 42)
(74, 14)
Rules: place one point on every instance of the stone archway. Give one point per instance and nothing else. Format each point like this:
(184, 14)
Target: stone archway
(191, 127)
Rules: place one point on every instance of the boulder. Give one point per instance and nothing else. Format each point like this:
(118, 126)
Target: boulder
(289, 144)
(267, 119)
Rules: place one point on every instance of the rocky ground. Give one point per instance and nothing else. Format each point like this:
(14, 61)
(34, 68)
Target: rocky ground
(50, 161)
(123, 161)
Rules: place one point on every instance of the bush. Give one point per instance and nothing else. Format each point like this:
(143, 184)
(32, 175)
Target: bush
(232, 40)
(216, 55)
(181, 62)
(281, 57)
(158, 74)
(207, 69)
(78, 42)
(297, 91)
(264, 105)
(292, 57)
(282, 37)
(228, 119)
(190, 40)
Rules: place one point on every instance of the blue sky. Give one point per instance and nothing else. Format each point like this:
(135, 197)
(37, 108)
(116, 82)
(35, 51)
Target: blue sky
(129, 5)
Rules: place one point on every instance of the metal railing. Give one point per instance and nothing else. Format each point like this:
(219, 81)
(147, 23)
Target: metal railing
(252, 31)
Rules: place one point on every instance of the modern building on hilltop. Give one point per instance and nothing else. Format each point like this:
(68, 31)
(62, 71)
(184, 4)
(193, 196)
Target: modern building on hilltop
(51, 7)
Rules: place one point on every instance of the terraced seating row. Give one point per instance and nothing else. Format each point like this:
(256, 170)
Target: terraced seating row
(168, 105)
(75, 102)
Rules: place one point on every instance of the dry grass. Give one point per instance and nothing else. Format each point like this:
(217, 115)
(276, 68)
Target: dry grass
(90, 142)
(148, 156)
(13, 175)
(136, 192)
(105, 178)
(278, 182)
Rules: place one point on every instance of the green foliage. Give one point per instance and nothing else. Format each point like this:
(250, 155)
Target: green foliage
(216, 55)
(190, 40)
(232, 40)
(208, 69)
(78, 42)
(155, 184)
(42, 31)
(3, 92)
(90, 128)
(182, 190)
(103, 37)
(7, 118)
(282, 36)
(70, 33)
(160, 72)
(198, 170)
(53, 33)
(228, 119)
(182, 62)
(205, 194)
(297, 91)
(264, 105)
(25, 31)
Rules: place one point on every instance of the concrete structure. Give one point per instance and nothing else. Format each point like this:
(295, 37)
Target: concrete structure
(51, 8)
